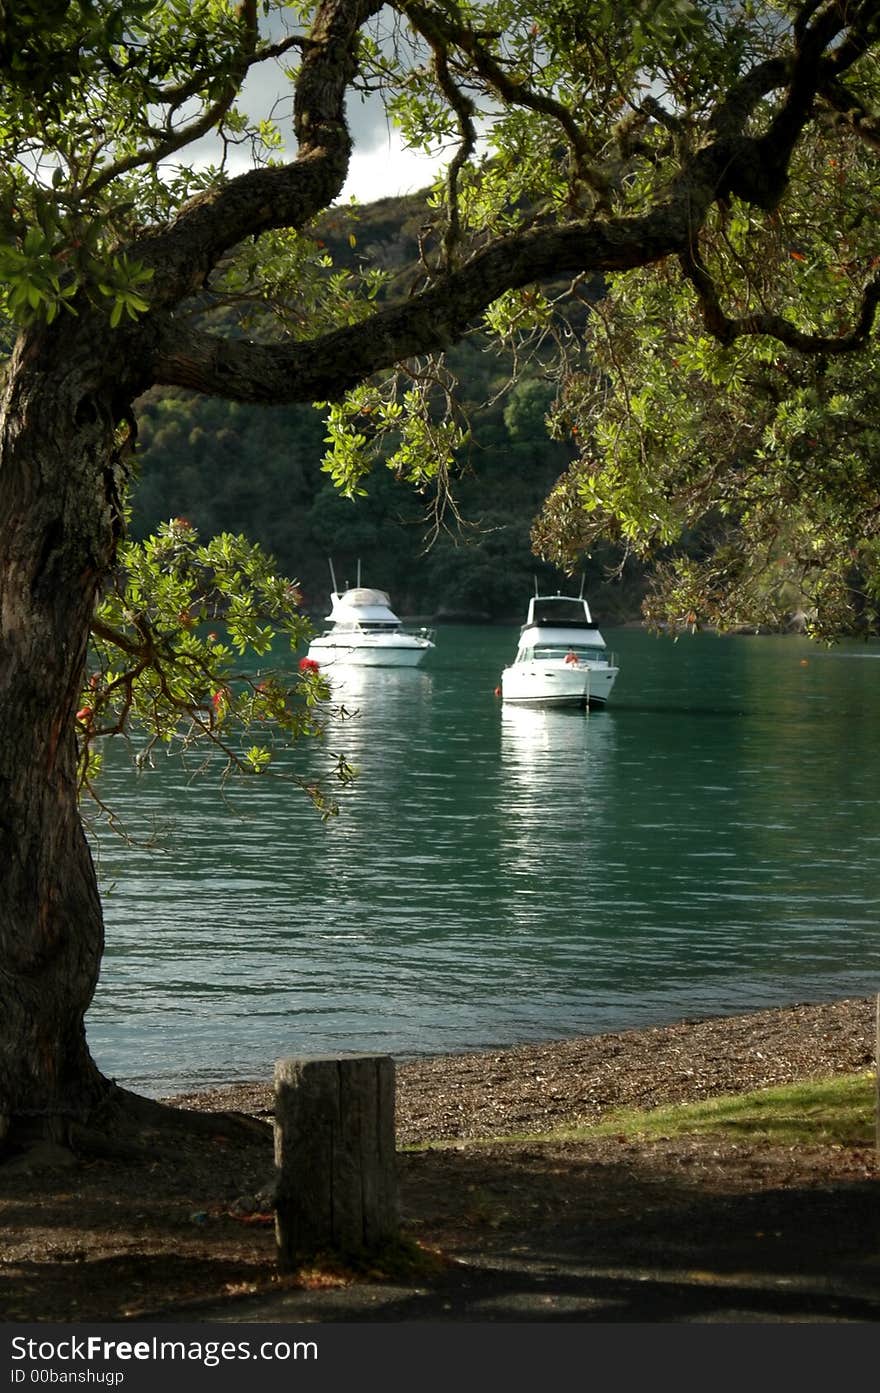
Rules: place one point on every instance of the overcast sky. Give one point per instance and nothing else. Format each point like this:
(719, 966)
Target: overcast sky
(380, 166)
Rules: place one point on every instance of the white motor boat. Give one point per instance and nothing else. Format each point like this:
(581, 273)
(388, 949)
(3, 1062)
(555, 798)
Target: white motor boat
(364, 631)
(561, 659)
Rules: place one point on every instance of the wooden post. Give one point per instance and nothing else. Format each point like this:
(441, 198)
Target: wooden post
(334, 1151)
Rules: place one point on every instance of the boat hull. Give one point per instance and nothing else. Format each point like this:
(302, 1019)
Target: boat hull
(544, 684)
(328, 653)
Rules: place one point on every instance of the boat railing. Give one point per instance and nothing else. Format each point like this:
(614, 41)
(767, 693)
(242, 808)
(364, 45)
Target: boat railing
(597, 657)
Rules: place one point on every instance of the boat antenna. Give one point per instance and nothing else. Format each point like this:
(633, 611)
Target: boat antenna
(535, 579)
(332, 575)
(583, 578)
(359, 572)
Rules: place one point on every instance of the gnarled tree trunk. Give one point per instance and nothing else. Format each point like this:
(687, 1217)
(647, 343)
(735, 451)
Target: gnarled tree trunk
(58, 528)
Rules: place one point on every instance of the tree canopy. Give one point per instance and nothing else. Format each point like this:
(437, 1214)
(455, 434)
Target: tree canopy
(662, 210)
(714, 165)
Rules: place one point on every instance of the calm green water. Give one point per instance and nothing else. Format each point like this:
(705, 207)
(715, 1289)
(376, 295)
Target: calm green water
(708, 844)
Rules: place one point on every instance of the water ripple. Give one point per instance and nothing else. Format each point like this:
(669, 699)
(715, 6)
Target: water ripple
(711, 843)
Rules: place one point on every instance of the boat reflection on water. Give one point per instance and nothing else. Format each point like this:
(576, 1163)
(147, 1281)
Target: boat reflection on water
(376, 688)
(556, 781)
(368, 702)
(540, 745)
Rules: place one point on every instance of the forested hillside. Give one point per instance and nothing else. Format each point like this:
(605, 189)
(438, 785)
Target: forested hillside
(271, 485)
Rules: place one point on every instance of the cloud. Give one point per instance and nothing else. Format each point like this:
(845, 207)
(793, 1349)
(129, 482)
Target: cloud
(389, 170)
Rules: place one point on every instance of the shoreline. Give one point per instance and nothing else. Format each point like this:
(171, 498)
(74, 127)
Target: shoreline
(538, 1087)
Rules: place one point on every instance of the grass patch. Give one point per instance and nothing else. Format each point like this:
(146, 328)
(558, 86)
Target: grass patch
(837, 1111)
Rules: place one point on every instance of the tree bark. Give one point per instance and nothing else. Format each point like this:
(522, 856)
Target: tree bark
(59, 521)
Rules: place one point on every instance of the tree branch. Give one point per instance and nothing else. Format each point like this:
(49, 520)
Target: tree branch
(170, 142)
(812, 42)
(850, 111)
(263, 199)
(465, 111)
(759, 165)
(443, 31)
(437, 316)
(731, 160)
(775, 325)
(119, 639)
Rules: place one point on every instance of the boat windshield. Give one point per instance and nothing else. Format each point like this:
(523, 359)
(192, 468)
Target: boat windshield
(585, 653)
(555, 610)
(354, 626)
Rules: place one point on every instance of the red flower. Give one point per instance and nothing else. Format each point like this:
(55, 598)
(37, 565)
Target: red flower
(309, 665)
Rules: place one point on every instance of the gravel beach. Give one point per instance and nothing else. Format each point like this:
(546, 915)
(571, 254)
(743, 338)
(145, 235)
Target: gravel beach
(533, 1088)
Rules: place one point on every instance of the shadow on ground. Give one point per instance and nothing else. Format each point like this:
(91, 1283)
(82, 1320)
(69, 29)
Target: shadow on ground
(557, 1233)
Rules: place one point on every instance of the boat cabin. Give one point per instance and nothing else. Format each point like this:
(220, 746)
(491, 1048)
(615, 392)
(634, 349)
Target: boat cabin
(559, 612)
(363, 610)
